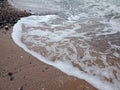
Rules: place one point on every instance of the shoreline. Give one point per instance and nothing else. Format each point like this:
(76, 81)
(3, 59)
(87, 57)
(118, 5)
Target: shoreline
(21, 71)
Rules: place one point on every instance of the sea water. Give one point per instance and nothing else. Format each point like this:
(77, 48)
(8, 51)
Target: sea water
(81, 38)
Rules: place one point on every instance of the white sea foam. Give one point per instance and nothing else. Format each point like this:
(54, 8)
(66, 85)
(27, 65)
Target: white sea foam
(62, 48)
(81, 45)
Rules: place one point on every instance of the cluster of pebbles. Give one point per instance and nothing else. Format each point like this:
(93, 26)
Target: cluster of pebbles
(9, 15)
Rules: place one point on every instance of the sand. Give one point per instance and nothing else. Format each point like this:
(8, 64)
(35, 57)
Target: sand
(28, 73)
(21, 71)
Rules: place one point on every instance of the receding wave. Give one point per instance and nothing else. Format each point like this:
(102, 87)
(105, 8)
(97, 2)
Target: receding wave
(85, 45)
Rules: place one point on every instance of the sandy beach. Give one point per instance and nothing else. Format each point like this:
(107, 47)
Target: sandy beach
(30, 73)
(21, 71)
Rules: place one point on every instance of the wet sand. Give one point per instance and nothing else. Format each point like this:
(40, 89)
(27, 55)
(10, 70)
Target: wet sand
(21, 71)
(29, 73)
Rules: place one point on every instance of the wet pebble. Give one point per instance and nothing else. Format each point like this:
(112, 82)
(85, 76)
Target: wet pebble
(81, 57)
(6, 28)
(20, 88)
(46, 68)
(10, 73)
(11, 78)
(43, 70)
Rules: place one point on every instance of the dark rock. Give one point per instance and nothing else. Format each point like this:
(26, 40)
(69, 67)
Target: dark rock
(46, 68)
(10, 73)
(29, 10)
(43, 71)
(6, 27)
(11, 78)
(81, 57)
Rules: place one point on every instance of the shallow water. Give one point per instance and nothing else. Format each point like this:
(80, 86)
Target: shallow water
(81, 38)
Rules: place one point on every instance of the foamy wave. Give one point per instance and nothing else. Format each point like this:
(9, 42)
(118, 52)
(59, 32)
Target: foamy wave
(83, 40)
(81, 49)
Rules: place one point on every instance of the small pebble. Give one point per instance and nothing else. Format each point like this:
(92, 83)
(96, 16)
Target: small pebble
(21, 88)
(21, 57)
(6, 27)
(11, 78)
(43, 71)
(43, 89)
(81, 57)
(10, 73)
(46, 68)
